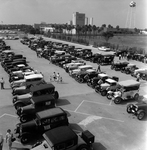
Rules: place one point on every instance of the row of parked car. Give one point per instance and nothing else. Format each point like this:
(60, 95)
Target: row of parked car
(101, 82)
(129, 68)
(35, 102)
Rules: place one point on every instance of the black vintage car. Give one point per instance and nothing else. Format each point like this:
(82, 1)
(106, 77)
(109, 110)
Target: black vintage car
(38, 90)
(118, 65)
(106, 59)
(37, 104)
(82, 77)
(139, 110)
(129, 68)
(45, 120)
(65, 138)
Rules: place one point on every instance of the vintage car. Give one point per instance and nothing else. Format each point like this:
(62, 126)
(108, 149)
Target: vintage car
(118, 65)
(37, 104)
(74, 66)
(64, 138)
(139, 109)
(109, 84)
(30, 79)
(83, 76)
(129, 89)
(129, 69)
(38, 90)
(106, 58)
(45, 120)
(81, 68)
(142, 72)
(94, 81)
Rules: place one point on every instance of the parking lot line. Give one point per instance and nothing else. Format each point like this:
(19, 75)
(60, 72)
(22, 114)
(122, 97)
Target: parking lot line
(7, 115)
(79, 106)
(94, 115)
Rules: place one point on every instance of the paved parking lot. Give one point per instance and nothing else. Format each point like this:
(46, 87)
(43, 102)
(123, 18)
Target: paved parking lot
(113, 128)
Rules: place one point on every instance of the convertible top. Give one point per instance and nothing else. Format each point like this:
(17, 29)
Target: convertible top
(50, 113)
(41, 87)
(129, 83)
(59, 135)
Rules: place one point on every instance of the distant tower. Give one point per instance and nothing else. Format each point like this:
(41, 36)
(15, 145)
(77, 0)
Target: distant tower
(78, 19)
(86, 20)
(91, 21)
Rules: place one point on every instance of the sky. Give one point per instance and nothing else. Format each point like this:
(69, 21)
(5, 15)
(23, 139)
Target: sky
(113, 12)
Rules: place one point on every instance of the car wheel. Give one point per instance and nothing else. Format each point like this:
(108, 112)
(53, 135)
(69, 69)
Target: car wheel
(108, 96)
(24, 138)
(97, 89)
(14, 100)
(24, 118)
(83, 147)
(104, 93)
(127, 72)
(56, 95)
(140, 115)
(18, 105)
(81, 80)
(129, 108)
(117, 100)
(136, 96)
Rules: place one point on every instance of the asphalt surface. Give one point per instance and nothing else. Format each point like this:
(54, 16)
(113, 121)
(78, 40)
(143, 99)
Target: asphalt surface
(113, 127)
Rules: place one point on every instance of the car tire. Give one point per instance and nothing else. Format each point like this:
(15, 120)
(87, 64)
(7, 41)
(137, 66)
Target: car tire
(96, 90)
(25, 138)
(108, 96)
(140, 114)
(83, 147)
(136, 96)
(23, 118)
(117, 100)
(18, 105)
(112, 67)
(104, 93)
(56, 95)
(81, 80)
(129, 108)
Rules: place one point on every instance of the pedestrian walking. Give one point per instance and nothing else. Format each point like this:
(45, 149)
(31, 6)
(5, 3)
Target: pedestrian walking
(119, 56)
(1, 141)
(99, 68)
(2, 83)
(138, 77)
(58, 77)
(9, 139)
(54, 76)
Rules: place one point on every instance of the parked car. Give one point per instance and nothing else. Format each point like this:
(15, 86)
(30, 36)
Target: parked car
(45, 120)
(30, 79)
(81, 68)
(106, 59)
(109, 84)
(83, 76)
(139, 71)
(130, 68)
(119, 65)
(44, 89)
(129, 89)
(139, 109)
(65, 138)
(37, 104)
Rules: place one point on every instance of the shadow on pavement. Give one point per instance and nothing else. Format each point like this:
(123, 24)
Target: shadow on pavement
(61, 102)
(99, 146)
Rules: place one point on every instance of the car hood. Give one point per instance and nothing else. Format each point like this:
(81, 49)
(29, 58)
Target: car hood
(20, 88)
(28, 95)
(76, 70)
(105, 85)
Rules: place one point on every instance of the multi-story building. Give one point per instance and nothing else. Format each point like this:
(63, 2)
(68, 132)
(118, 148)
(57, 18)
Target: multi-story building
(78, 19)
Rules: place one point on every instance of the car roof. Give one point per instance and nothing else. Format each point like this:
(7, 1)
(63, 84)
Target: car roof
(131, 64)
(111, 81)
(84, 66)
(34, 76)
(129, 83)
(42, 98)
(59, 135)
(41, 87)
(102, 75)
(50, 113)
(90, 70)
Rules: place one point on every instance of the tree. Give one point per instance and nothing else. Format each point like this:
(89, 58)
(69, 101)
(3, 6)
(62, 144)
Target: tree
(107, 35)
(117, 27)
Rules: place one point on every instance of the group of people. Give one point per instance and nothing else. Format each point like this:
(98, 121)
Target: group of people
(9, 139)
(56, 77)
